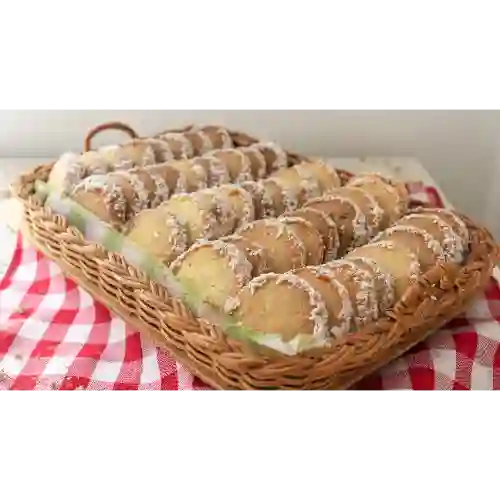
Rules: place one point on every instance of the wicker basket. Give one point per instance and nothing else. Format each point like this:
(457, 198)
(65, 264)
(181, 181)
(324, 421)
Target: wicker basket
(223, 362)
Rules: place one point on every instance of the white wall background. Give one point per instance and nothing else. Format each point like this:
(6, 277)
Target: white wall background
(461, 149)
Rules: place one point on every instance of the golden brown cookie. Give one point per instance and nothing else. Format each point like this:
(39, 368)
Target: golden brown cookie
(205, 214)
(241, 203)
(179, 144)
(159, 234)
(454, 248)
(274, 155)
(335, 295)
(95, 163)
(256, 191)
(324, 224)
(127, 156)
(161, 189)
(218, 137)
(192, 176)
(160, 148)
(200, 142)
(310, 237)
(155, 187)
(361, 286)
(285, 250)
(237, 165)
(66, 173)
(370, 207)
(256, 255)
(384, 282)
(326, 176)
(175, 180)
(214, 270)
(400, 263)
(451, 217)
(276, 199)
(140, 190)
(426, 247)
(354, 213)
(392, 196)
(108, 198)
(281, 304)
(299, 181)
(257, 162)
(216, 170)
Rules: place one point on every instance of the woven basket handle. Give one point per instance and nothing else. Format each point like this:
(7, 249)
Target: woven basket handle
(108, 126)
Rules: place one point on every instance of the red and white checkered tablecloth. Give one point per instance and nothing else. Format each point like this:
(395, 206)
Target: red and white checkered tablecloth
(53, 335)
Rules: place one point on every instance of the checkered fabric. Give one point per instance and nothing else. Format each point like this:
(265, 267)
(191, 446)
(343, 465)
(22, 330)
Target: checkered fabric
(54, 336)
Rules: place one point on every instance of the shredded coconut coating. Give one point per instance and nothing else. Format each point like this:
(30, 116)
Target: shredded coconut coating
(67, 172)
(376, 211)
(178, 238)
(206, 142)
(207, 212)
(224, 212)
(162, 192)
(280, 160)
(430, 242)
(141, 194)
(462, 232)
(182, 144)
(290, 221)
(246, 199)
(359, 223)
(252, 249)
(256, 190)
(346, 313)
(246, 168)
(332, 243)
(366, 301)
(182, 185)
(332, 171)
(161, 149)
(392, 188)
(218, 173)
(452, 244)
(113, 196)
(384, 280)
(311, 185)
(269, 204)
(306, 187)
(219, 137)
(257, 161)
(201, 175)
(148, 157)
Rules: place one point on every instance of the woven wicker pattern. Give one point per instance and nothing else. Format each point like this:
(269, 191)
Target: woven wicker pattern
(225, 363)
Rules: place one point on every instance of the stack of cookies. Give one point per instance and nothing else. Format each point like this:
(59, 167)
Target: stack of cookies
(119, 195)
(71, 168)
(249, 209)
(323, 229)
(326, 301)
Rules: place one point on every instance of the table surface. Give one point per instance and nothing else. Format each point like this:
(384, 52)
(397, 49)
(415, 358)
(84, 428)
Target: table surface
(406, 169)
